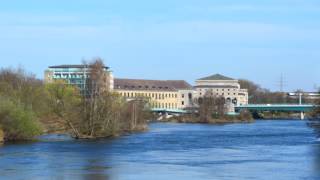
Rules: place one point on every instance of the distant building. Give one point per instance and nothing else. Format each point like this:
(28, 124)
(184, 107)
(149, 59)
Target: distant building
(75, 75)
(168, 94)
(222, 86)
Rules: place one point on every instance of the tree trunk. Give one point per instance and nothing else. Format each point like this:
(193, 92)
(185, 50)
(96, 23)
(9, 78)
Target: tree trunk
(1, 136)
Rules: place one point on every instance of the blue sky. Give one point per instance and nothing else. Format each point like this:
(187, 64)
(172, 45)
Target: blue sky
(169, 39)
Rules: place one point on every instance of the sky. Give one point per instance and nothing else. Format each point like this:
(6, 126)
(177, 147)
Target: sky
(169, 39)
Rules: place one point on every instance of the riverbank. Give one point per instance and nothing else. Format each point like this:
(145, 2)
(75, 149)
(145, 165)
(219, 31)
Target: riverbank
(279, 115)
(55, 125)
(193, 119)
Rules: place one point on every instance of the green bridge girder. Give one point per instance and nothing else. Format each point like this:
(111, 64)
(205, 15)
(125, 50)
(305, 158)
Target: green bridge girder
(277, 107)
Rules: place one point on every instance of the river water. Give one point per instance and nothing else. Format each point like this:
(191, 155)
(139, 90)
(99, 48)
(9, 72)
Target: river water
(262, 150)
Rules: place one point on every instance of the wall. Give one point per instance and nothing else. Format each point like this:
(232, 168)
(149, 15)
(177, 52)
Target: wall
(157, 99)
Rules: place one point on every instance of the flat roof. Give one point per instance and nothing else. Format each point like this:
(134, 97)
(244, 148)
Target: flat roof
(72, 66)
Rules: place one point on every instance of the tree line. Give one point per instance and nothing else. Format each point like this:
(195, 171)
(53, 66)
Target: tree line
(259, 95)
(30, 107)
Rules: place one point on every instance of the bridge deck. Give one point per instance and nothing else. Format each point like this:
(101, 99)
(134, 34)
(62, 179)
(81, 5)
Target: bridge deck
(178, 111)
(277, 107)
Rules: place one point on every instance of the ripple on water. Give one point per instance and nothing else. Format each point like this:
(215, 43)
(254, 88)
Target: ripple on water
(261, 150)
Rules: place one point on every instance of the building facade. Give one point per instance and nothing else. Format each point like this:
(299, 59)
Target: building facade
(76, 75)
(169, 94)
(222, 86)
(161, 94)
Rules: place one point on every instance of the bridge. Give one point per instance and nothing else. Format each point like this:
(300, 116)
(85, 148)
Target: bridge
(171, 111)
(302, 108)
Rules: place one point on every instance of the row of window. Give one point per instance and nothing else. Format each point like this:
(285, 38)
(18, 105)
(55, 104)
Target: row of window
(56, 75)
(218, 89)
(165, 105)
(151, 95)
(143, 87)
(220, 94)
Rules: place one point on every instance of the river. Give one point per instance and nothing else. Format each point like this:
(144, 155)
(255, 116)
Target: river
(262, 150)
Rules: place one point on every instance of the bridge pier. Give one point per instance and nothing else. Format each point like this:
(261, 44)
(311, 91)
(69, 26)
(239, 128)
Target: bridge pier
(302, 115)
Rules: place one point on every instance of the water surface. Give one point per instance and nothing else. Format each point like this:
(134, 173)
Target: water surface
(262, 150)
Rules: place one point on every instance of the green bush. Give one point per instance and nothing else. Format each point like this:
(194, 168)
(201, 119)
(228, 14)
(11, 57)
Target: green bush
(17, 122)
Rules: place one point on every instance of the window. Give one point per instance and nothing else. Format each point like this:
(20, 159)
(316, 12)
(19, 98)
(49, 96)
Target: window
(182, 103)
(182, 95)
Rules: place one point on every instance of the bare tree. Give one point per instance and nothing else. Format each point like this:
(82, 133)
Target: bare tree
(211, 106)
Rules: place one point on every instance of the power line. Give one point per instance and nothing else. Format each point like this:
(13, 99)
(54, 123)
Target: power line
(282, 83)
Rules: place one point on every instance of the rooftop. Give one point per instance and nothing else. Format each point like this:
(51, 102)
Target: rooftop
(72, 66)
(216, 77)
(141, 84)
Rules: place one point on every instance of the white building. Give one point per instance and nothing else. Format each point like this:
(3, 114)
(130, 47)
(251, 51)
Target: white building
(219, 85)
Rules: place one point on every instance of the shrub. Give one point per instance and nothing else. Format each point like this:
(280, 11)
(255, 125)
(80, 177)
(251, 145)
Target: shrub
(17, 122)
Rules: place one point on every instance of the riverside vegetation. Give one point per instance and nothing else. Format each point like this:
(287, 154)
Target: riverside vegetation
(211, 109)
(29, 107)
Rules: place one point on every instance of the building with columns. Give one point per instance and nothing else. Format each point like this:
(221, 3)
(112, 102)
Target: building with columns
(219, 85)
